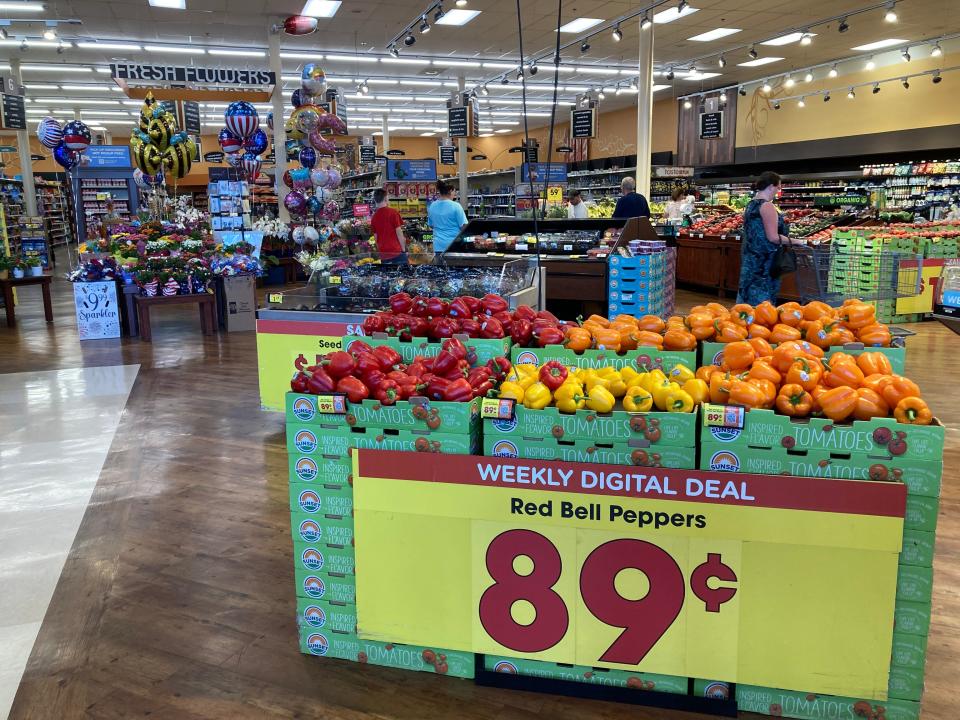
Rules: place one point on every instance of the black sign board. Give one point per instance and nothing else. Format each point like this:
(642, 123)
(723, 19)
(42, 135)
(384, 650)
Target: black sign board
(14, 114)
(223, 173)
(583, 123)
(191, 75)
(711, 125)
(448, 155)
(169, 106)
(213, 157)
(368, 154)
(191, 117)
(36, 157)
(457, 122)
(532, 154)
(474, 116)
(395, 153)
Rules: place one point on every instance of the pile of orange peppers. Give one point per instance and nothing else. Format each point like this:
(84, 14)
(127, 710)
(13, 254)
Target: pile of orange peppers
(626, 332)
(796, 379)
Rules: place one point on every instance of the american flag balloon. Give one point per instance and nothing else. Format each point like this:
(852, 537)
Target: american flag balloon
(251, 166)
(49, 132)
(76, 135)
(229, 142)
(241, 119)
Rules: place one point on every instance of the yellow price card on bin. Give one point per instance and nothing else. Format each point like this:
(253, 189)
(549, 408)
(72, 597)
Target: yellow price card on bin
(753, 579)
(555, 194)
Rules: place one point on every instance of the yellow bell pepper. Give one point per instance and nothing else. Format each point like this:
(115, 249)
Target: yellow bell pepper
(525, 381)
(681, 373)
(537, 396)
(629, 375)
(678, 401)
(659, 392)
(582, 374)
(652, 378)
(600, 400)
(595, 380)
(607, 372)
(637, 400)
(617, 386)
(512, 390)
(569, 398)
(698, 390)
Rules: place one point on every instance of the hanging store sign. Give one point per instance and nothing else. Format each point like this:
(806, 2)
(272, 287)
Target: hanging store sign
(191, 75)
(532, 152)
(458, 122)
(583, 123)
(191, 116)
(711, 125)
(13, 116)
(448, 155)
(213, 157)
(367, 154)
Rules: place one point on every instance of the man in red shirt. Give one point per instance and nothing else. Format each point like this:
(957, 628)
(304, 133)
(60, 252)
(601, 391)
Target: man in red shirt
(388, 227)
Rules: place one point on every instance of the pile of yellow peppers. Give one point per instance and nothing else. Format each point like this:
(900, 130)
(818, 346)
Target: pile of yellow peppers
(600, 389)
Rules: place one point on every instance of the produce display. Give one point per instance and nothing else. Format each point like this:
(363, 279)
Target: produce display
(816, 226)
(625, 332)
(716, 224)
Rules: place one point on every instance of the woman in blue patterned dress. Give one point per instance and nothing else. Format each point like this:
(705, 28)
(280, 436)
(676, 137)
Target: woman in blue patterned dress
(764, 230)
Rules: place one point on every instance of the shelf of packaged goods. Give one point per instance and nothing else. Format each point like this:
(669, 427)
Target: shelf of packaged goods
(588, 173)
(360, 175)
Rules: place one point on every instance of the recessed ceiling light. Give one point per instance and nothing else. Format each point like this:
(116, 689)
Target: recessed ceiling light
(889, 42)
(352, 58)
(787, 39)
(671, 14)
(701, 75)
(428, 134)
(238, 53)
(299, 55)
(321, 8)
(500, 65)
(760, 61)
(404, 61)
(28, 67)
(580, 24)
(458, 17)
(871, 65)
(178, 49)
(108, 46)
(171, 4)
(714, 34)
(21, 6)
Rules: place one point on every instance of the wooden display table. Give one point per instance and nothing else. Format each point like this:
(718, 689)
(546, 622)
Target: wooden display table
(206, 302)
(10, 283)
(713, 262)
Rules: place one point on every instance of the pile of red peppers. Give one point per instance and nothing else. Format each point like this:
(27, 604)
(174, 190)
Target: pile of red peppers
(486, 317)
(379, 373)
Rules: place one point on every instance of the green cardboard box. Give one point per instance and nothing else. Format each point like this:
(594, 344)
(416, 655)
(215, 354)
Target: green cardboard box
(316, 614)
(921, 513)
(585, 674)
(589, 451)
(905, 683)
(311, 557)
(712, 689)
(417, 413)
(810, 706)
(909, 651)
(877, 438)
(712, 353)
(912, 617)
(320, 585)
(348, 646)
(336, 442)
(486, 348)
(326, 529)
(320, 469)
(646, 358)
(318, 499)
(914, 583)
(659, 428)
(918, 548)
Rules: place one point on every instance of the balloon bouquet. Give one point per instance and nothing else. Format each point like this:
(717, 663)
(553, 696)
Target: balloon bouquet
(68, 142)
(243, 140)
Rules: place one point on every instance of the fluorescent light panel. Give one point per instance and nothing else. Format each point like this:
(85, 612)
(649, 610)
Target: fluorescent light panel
(321, 8)
(580, 24)
(457, 63)
(760, 61)
(237, 53)
(788, 39)
(889, 42)
(171, 4)
(457, 17)
(21, 6)
(91, 88)
(671, 14)
(715, 34)
(289, 55)
(348, 58)
(109, 46)
(660, 87)
(177, 49)
(701, 75)
(52, 67)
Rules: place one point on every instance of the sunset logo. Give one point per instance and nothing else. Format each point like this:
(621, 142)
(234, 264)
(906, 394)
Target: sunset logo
(312, 558)
(314, 587)
(309, 501)
(505, 426)
(317, 644)
(717, 691)
(314, 616)
(305, 441)
(303, 409)
(306, 469)
(505, 667)
(724, 461)
(527, 358)
(718, 359)
(310, 531)
(505, 448)
(722, 434)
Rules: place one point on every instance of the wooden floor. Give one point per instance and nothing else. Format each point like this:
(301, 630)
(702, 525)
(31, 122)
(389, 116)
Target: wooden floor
(177, 600)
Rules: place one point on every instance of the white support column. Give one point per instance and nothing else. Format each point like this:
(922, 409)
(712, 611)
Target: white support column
(462, 154)
(26, 162)
(279, 130)
(644, 110)
(385, 130)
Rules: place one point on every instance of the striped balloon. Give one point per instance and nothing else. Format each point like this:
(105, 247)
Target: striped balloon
(177, 160)
(229, 142)
(49, 132)
(148, 158)
(160, 132)
(251, 166)
(76, 135)
(241, 119)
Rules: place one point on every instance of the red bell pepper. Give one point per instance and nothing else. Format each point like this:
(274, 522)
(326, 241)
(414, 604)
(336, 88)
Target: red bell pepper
(553, 374)
(492, 304)
(435, 307)
(463, 367)
(366, 363)
(419, 327)
(506, 319)
(444, 362)
(540, 323)
(353, 388)
(458, 391)
(374, 324)
(459, 309)
(473, 303)
(419, 308)
(374, 379)
(359, 347)
(299, 382)
(408, 388)
(397, 375)
(547, 315)
(455, 348)
(388, 393)
(483, 389)
(398, 323)
(387, 357)
(525, 312)
(491, 328)
(499, 366)
(479, 375)
(401, 302)
(549, 336)
(436, 386)
(521, 331)
(319, 382)
(339, 364)
(443, 327)
(470, 327)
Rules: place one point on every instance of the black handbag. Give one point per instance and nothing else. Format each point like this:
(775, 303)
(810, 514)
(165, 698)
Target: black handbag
(784, 262)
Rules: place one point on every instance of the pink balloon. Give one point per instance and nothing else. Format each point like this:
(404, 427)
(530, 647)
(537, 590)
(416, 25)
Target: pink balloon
(321, 144)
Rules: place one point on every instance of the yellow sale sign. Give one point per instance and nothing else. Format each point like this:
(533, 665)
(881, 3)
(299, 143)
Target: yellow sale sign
(744, 578)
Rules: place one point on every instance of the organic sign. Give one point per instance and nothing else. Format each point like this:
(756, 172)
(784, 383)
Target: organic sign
(98, 314)
(742, 578)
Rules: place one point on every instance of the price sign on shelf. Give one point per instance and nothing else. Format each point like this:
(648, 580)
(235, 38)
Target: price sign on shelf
(678, 572)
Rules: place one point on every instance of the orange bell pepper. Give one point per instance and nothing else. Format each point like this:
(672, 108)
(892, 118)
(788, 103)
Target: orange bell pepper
(628, 337)
(913, 411)
(758, 331)
(841, 357)
(877, 382)
(607, 339)
(700, 309)
(869, 405)
(651, 323)
(816, 310)
(739, 355)
(839, 403)
(704, 372)
(790, 313)
(746, 394)
(766, 314)
(858, 315)
(727, 331)
(742, 314)
(720, 387)
(840, 373)
(820, 333)
(874, 363)
(623, 318)
(810, 349)
(816, 394)
(645, 338)
(599, 320)
(578, 339)
(676, 339)
(717, 310)
(785, 353)
(899, 388)
(794, 401)
(764, 371)
(805, 372)
(592, 327)
(875, 335)
(782, 333)
(760, 346)
(701, 325)
(768, 389)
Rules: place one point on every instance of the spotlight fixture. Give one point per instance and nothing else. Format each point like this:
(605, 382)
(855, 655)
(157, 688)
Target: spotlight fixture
(808, 77)
(60, 48)
(584, 46)
(833, 72)
(806, 38)
(870, 64)
(519, 74)
(742, 91)
(753, 53)
(670, 74)
(600, 95)
(891, 15)
(394, 51)
(766, 87)
(801, 103)
(936, 77)
(681, 6)
(484, 91)
(789, 82)
(617, 33)
(905, 83)
(364, 88)
(645, 22)
(851, 94)
(438, 14)
(23, 45)
(776, 105)
(505, 80)
(905, 54)
(424, 25)
(876, 88)
(633, 85)
(722, 61)
(722, 97)
(826, 97)
(50, 33)
(843, 26)
(533, 68)
(937, 51)
(409, 39)
(619, 90)
(687, 104)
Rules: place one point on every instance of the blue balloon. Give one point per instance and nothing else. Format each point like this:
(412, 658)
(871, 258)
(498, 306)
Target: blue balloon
(66, 157)
(257, 143)
(314, 205)
(308, 157)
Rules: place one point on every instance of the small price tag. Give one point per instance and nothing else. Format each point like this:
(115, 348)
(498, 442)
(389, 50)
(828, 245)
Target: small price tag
(332, 404)
(576, 257)
(335, 280)
(497, 408)
(275, 298)
(521, 246)
(567, 248)
(724, 416)
(532, 241)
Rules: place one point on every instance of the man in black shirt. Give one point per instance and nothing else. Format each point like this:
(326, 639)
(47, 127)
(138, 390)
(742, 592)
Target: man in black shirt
(631, 203)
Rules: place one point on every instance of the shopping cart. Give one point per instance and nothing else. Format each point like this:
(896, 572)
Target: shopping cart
(833, 273)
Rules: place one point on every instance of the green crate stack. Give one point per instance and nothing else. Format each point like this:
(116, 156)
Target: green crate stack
(942, 248)
(320, 449)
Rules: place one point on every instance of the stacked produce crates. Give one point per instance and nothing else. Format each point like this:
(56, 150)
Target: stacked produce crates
(642, 284)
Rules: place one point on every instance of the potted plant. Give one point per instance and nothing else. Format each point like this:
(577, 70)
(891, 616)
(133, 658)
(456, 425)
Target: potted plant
(19, 267)
(33, 262)
(5, 265)
(147, 280)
